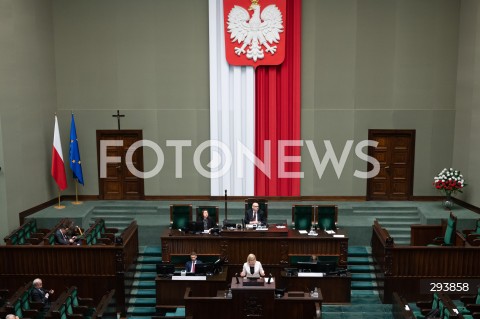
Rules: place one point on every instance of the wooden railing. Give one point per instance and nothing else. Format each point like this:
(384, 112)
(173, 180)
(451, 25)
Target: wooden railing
(129, 242)
(93, 269)
(402, 268)
(400, 309)
(102, 306)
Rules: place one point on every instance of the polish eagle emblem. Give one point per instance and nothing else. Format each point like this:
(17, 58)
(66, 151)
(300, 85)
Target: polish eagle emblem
(261, 30)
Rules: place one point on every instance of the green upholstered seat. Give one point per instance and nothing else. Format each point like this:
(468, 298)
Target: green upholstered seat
(75, 304)
(327, 216)
(213, 212)
(427, 306)
(473, 235)
(302, 216)
(180, 215)
(23, 235)
(51, 239)
(472, 302)
(449, 237)
(17, 309)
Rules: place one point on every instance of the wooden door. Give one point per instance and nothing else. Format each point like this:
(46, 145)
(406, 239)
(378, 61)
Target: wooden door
(119, 182)
(395, 153)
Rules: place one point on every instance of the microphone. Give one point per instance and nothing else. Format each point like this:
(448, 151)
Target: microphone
(269, 278)
(236, 276)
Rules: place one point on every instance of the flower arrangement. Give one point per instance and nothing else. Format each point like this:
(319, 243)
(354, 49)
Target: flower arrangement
(449, 181)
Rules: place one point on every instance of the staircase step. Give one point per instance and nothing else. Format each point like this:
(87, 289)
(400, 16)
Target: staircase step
(142, 259)
(142, 301)
(405, 223)
(364, 285)
(398, 235)
(143, 293)
(359, 261)
(145, 268)
(396, 217)
(141, 311)
(363, 277)
(141, 284)
(361, 269)
(359, 251)
(150, 250)
(145, 275)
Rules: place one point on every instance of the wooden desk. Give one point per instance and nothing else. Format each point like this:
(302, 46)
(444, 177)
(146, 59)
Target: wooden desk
(273, 248)
(336, 289)
(252, 233)
(170, 292)
(252, 302)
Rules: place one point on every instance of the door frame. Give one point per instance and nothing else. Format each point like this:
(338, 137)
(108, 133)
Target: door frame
(99, 133)
(393, 132)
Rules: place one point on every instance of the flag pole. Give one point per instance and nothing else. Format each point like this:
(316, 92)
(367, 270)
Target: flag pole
(76, 202)
(59, 206)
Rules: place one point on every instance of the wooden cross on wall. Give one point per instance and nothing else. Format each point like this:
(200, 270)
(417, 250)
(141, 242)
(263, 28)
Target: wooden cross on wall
(118, 116)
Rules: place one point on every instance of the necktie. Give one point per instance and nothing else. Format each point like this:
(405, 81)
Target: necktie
(254, 216)
(193, 266)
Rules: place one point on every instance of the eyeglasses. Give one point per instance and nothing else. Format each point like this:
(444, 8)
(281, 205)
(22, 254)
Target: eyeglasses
(255, 206)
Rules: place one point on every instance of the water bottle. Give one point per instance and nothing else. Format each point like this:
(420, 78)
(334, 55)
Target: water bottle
(315, 293)
(229, 293)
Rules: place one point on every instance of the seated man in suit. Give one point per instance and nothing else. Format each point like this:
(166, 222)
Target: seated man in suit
(190, 265)
(61, 237)
(208, 222)
(38, 294)
(255, 215)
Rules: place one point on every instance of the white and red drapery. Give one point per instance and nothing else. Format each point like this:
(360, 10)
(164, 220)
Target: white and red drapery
(250, 106)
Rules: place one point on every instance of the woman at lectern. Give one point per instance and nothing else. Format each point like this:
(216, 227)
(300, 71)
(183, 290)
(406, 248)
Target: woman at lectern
(252, 268)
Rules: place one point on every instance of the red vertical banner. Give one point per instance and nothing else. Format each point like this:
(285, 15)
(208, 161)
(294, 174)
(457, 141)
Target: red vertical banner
(277, 111)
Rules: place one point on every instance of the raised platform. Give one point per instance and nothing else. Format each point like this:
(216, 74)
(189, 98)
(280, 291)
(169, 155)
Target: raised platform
(154, 216)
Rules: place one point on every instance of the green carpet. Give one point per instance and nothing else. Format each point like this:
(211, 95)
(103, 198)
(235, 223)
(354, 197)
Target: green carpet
(142, 294)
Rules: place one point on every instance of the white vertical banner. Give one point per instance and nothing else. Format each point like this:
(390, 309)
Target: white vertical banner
(232, 111)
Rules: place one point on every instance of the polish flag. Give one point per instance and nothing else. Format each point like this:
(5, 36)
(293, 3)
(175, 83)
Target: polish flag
(58, 166)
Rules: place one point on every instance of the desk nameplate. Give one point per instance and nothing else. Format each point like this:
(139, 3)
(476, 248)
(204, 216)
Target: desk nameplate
(311, 274)
(190, 278)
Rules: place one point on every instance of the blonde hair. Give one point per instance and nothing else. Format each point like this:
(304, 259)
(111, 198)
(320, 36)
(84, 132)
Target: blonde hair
(251, 257)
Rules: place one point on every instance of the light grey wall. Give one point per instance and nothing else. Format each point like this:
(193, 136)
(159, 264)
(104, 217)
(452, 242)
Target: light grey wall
(27, 106)
(365, 65)
(370, 64)
(150, 60)
(378, 65)
(467, 121)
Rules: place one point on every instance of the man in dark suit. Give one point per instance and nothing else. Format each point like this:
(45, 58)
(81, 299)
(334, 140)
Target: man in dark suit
(61, 237)
(255, 215)
(38, 294)
(190, 265)
(208, 222)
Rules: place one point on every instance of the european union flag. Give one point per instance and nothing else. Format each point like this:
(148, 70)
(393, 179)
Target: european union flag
(75, 163)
